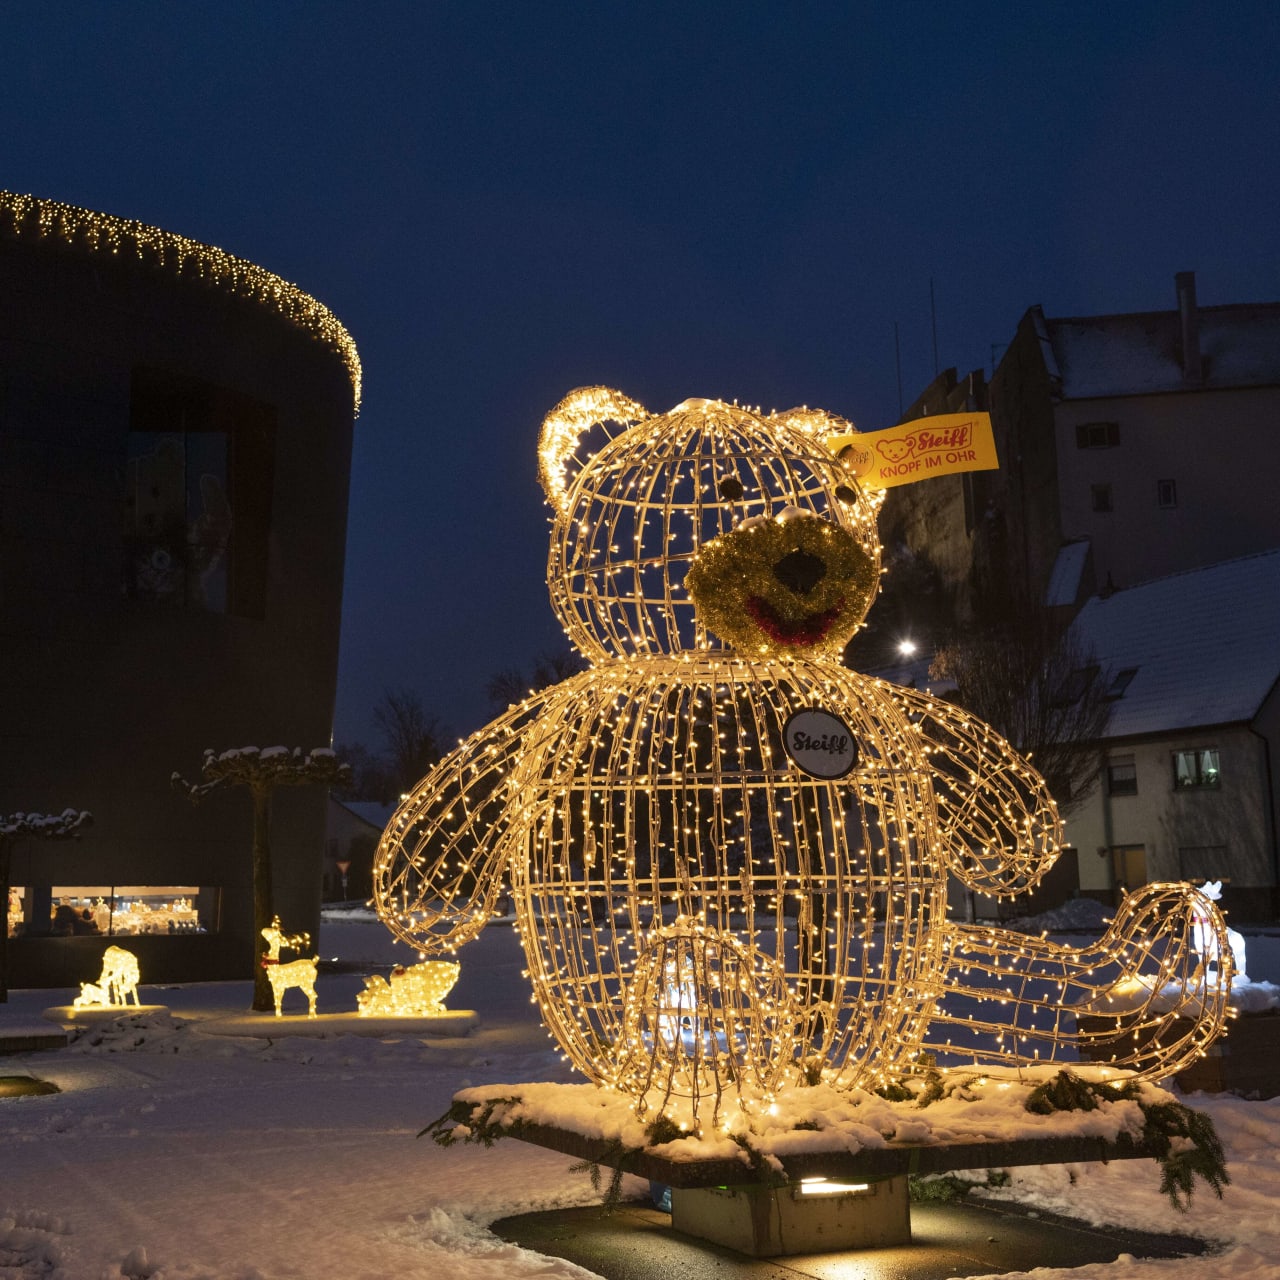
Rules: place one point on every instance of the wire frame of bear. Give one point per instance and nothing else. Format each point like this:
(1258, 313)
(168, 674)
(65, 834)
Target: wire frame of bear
(627, 527)
(701, 917)
(653, 825)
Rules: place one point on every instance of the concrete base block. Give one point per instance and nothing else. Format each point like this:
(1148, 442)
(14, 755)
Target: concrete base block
(29, 1037)
(773, 1222)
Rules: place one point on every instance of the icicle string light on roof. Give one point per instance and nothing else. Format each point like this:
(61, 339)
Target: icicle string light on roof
(729, 854)
(26, 216)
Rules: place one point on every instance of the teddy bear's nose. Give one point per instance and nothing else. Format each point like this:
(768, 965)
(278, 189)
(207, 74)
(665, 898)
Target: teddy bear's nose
(799, 571)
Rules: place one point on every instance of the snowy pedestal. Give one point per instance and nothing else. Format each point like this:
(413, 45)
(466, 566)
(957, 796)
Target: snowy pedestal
(774, 1222)
(766, 1201)
(893, 1159)
(94, 1014)
(267, 1026)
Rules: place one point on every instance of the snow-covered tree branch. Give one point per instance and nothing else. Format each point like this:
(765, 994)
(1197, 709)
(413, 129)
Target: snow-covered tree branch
(262, 771)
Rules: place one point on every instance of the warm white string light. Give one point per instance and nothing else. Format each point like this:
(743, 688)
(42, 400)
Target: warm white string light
(728, 853)
(412, 991)
(28, 217)
(117, 985)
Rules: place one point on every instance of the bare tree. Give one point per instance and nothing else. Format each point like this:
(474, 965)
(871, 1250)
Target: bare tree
(509, 686)
(1042, 692)
(370, 774)
(506, 688)
(262, 772)
(413, 738)
(42, 826)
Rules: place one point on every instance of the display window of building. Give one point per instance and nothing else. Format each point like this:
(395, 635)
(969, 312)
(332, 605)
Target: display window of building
(67, 911)
(198, 471)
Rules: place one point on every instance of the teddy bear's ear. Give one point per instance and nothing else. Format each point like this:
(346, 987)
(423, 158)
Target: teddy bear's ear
(814, 422)
(568, 422)
(833, 431)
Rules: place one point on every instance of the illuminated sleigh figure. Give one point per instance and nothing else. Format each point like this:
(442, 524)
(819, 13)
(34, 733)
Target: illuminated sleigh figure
(728, 853)
(413, 991)
(284, 974)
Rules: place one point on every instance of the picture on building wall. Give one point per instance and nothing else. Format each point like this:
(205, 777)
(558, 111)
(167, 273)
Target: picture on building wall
(178, 518)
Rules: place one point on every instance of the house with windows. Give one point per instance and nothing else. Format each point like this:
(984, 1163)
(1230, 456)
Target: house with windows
(352, 831)
(175, 445)
(1123, 439)
(1190, 786)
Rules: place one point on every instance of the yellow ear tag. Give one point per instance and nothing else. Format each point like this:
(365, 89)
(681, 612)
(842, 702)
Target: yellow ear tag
(941, 445)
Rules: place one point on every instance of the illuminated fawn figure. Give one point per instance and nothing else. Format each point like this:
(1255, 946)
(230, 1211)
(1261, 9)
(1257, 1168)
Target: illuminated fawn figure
(729, 853)
(119, 981)
(289, 973)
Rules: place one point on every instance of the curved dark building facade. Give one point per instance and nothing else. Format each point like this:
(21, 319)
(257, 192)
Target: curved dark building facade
(175, 449)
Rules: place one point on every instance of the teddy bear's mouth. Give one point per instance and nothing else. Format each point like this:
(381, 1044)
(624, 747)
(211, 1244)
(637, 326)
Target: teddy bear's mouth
(808, 630)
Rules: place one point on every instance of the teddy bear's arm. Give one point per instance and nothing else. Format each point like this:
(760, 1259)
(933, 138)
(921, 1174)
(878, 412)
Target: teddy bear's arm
(999, 825)
(439, 866)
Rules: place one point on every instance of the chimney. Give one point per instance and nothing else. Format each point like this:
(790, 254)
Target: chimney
(1189, 327)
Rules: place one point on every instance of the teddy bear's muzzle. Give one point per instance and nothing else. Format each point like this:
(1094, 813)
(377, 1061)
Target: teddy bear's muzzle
(800, 571)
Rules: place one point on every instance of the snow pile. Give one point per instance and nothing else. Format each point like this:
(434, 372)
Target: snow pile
(1255, 997)
(1076, 915)
(1245, 1224)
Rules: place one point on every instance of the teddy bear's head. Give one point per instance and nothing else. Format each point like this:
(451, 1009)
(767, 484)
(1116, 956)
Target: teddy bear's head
(708, 526)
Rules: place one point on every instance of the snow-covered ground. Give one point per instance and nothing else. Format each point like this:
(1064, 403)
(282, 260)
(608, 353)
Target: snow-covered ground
(177, 1155)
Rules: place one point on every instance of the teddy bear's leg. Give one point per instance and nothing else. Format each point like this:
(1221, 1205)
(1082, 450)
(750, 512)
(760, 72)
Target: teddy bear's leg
(1141, 998)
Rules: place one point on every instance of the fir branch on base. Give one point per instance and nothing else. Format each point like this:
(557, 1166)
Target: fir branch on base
(1186, 1143)
(464, 1122)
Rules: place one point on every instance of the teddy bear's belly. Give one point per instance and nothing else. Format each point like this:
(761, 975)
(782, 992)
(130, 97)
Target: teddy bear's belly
(696, 908)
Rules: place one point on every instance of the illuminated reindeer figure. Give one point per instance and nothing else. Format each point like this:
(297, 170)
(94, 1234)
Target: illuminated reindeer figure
(292, 973)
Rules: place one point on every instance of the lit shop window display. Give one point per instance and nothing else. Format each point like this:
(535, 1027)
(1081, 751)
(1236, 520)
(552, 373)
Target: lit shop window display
(13, 917)
(66, 911)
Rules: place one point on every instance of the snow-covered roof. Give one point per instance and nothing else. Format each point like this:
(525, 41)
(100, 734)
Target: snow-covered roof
(1205, 645)
(1064, 581)
(370, 811)
(1138, 354)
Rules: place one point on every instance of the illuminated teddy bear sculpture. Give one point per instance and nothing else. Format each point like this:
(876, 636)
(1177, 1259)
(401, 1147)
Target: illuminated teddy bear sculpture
(729, 854)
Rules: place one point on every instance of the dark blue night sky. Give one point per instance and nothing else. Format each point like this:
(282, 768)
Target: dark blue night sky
(502, 202)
